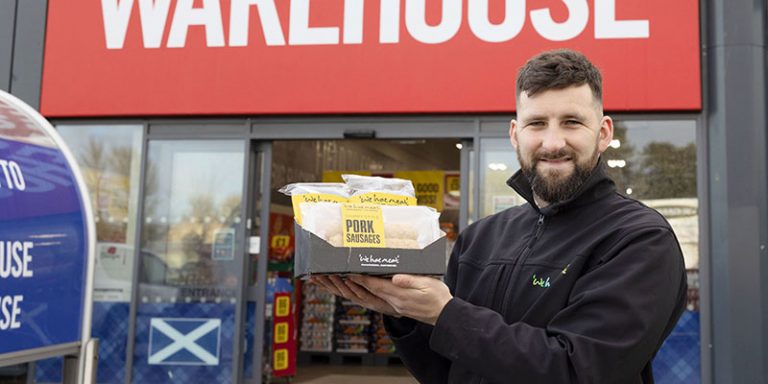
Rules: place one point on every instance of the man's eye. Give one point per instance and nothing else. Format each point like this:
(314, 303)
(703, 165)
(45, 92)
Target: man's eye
(536, 124)
(572, 122)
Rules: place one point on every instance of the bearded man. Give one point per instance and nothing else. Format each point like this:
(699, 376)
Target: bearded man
(579, 285)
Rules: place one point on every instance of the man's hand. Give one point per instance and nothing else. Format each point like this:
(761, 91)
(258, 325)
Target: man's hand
(354, 292)
(418, 297)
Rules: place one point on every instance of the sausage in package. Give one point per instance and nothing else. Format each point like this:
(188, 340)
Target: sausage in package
(372, 226)
(314, 193)
(380, 190)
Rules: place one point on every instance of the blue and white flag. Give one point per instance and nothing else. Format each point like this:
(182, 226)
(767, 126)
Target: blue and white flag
(184, 341)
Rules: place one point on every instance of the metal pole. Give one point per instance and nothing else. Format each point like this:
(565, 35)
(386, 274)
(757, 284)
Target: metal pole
(70, 369)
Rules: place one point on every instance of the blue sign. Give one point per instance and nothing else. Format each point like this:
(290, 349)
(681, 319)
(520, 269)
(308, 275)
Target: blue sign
(184, 341)
(44, 236)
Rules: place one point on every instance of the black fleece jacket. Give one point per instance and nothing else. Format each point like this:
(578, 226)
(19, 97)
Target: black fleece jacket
(582, 291)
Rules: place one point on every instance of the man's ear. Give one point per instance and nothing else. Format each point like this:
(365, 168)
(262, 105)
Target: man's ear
(513, 133)
(605, 133)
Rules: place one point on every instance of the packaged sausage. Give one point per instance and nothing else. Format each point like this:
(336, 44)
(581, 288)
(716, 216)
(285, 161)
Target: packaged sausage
(372, 226)
(314, 193)
(380, 190)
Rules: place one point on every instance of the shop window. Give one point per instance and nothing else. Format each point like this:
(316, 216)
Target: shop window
(110, 160)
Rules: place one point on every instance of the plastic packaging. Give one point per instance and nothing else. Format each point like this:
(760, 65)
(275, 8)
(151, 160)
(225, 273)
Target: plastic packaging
(380, 190)
(338, 189)
(314, 193)
(405, 227)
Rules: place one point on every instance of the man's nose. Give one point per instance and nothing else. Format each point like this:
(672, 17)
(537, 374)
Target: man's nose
(553, 140)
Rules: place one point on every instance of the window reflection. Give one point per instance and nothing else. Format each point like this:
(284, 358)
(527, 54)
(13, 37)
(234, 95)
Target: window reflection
(655, 162)
(109, 158)
(193, 195)
(498, 161)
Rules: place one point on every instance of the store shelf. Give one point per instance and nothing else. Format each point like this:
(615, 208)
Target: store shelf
(341, 358)
(354, 322)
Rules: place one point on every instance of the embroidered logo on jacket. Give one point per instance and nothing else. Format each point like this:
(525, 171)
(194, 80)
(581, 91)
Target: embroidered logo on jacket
(540, 282)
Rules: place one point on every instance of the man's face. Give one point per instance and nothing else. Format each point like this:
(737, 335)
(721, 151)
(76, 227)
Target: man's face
(559, 135)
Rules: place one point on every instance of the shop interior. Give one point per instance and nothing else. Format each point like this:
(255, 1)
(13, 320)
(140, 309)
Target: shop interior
(335, 339)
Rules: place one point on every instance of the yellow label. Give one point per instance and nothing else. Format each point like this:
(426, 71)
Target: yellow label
(428, 185)
(335, 176)
(280, 241)
(381, 198)
(453, 183)
(362, 225)
(313, 198)
(281, 333)
(280, 360)
(282, 306)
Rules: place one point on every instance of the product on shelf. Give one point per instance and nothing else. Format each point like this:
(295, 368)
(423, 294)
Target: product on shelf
(353, 328)
(318, 307)
(382, 343)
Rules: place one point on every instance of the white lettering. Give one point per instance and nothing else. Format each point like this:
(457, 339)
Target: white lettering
(26, 270)
(389, 22)
(17, 176)
(6, 173)
(479, 23)
(154, 14)
(186, 16)
(15, 259)
(14, 178)
(578, 16)
(116, 16)
(270, 22)
(353, 21)
(300, 33)
(16, 269)
(607, 27)
(416, 23)
(9, 306)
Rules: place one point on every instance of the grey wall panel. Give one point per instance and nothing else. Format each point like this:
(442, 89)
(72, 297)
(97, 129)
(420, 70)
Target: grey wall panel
(395, 129)
(192, 129)
(7, 24)
(27, 67)
(735, 110)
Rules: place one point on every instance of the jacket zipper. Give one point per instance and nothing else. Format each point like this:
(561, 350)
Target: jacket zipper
(502, 306)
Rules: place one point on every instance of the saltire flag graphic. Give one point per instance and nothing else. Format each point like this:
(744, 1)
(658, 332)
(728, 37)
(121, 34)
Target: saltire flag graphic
(184, 341)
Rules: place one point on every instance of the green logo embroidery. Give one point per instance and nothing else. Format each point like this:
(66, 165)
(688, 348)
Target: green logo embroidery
(540, 282)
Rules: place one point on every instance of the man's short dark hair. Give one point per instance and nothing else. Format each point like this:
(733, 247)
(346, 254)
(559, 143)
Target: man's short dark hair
(558, 69)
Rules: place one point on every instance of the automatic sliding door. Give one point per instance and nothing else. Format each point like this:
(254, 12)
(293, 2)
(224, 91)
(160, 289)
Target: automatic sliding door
(191, 262)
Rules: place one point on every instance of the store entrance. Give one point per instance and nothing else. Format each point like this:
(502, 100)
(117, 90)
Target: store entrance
(334, 336)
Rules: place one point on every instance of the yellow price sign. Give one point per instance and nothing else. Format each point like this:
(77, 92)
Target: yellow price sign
(281, 333)
(428, 185)
(282, 306)
(280, 359)
(280, 241)
(453, 183)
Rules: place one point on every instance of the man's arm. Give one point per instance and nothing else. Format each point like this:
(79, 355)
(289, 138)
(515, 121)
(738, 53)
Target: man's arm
(411, 337)
(606, 333)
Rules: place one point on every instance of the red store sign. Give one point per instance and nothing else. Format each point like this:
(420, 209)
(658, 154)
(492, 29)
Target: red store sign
(213, 57)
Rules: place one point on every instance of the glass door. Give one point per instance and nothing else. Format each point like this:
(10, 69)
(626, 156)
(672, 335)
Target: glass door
(191, 263)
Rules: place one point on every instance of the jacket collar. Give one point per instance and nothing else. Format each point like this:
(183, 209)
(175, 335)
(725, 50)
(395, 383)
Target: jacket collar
(597, 185)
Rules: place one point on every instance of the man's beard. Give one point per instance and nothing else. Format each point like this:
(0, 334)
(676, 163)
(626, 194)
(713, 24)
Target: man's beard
(549, 185)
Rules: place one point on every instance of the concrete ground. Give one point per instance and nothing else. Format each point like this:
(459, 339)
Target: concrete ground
(352, 374)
